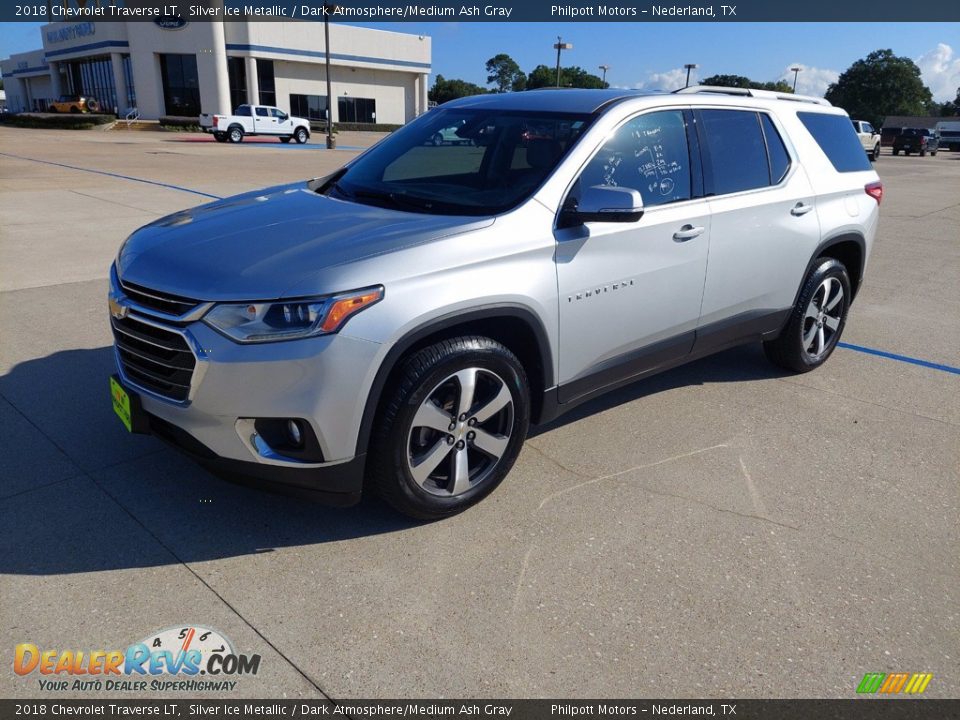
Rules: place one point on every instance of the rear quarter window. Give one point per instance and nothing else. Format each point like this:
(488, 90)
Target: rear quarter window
(836, 137)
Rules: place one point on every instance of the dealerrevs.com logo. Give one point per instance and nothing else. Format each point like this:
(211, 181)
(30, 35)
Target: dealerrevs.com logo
(190, 659)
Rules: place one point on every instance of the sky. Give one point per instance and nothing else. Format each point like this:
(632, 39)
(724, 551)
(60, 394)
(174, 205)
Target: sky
(652, 55)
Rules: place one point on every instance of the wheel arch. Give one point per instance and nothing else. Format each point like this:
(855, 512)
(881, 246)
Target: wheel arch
(850, 248)
(515, 326)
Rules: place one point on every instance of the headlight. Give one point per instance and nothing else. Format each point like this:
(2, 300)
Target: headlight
(255, 322)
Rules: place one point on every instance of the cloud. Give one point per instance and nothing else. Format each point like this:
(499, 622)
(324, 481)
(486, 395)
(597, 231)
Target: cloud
(810, 80)
(668, 80)
(940, 70)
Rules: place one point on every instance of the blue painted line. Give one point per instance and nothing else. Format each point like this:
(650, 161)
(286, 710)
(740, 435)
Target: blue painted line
(116, 175)
(901, 358)
(241, 47)
(88, 46)
(308, 146)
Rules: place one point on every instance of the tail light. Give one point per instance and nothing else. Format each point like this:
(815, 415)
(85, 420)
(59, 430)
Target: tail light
(874, 190)
(216, 121)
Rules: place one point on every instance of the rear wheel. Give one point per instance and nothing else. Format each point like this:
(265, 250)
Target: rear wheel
(896, 152)
(817, 321)
(452, 428)
(301, 135)
(220, 137)
(922, 152)
(235, 135)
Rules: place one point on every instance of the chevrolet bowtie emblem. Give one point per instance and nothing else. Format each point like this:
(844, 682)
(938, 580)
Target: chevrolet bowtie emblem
(117, 310)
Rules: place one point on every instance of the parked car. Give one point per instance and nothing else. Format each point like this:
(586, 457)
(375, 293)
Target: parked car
(74, 104)
(449, 135)
(949, 134)
(888, 135)
(869, 138)
(918, 140)
(397, 325)
(256, 120)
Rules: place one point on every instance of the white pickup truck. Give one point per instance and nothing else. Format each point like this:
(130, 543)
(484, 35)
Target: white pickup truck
(869, 138)
(256, 120)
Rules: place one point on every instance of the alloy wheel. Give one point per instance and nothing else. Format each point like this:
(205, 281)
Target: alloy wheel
(460, 432)
(821, 321)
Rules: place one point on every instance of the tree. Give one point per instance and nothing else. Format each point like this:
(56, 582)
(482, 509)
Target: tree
(739, 81)
(444, 90)
(543, 76)
(503, 71)
(879, 85)
(950, 108)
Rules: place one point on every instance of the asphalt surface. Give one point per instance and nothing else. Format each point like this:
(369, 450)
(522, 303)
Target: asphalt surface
(722, 530)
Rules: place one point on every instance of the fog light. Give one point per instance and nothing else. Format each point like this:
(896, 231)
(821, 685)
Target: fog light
(293, 430)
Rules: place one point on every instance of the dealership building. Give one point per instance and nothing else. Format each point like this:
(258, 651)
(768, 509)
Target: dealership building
(177, 68)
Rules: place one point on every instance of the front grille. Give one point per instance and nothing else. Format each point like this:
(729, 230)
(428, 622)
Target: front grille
(158, 300)
(153, 358)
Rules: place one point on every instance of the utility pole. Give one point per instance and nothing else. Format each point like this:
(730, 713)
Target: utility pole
(604, 68)
(559, 46)
(328, 9)
(689, 67)
(796, 71)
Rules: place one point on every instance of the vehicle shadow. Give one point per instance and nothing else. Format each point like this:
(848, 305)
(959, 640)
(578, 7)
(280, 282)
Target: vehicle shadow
(133, 502)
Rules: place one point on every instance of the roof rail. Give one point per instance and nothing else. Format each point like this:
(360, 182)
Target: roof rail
(751, 92)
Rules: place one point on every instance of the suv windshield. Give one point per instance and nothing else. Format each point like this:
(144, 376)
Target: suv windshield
(462, 161)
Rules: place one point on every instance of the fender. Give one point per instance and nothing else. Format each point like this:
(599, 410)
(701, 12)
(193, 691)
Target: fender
(439, 324)
(828, 243)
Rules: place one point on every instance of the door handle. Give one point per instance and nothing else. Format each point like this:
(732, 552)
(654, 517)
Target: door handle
(687, 232)
(800, 209)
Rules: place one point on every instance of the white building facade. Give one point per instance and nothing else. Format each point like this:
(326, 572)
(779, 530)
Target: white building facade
(176, 68)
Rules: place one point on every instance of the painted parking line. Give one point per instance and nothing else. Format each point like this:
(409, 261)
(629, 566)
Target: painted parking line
(115, 175)
(900, 358)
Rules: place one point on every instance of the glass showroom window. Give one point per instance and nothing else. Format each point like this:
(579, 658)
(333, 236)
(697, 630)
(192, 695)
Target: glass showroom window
(181, 87)
(265, 79)
(357, 110)
(312, 107)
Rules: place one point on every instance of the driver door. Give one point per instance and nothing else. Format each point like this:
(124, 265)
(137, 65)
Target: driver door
(630, 293)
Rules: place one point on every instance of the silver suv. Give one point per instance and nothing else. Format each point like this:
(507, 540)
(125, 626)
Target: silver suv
(397, 325)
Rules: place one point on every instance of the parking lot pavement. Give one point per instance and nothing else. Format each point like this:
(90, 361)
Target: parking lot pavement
(721, 530)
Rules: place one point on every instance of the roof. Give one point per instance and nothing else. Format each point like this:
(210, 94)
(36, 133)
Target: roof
(912, 121)
(572, 100)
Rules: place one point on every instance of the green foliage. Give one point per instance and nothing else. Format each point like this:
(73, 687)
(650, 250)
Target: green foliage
(739, 81)
(444, 90)
(879, 85)
(504, 72)
(542, 76)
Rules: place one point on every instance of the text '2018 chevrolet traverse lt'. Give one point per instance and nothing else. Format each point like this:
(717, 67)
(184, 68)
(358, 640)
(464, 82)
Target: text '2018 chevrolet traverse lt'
(397, 325)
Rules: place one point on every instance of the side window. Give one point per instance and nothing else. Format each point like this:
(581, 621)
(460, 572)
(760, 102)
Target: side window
(867, 127)
(276, 113)
(779, 159)
(836, 138)
(244, 111)
(648, 154)
(263, 112)
(738, 154)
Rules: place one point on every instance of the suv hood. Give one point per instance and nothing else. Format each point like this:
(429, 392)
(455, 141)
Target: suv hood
(258, 245)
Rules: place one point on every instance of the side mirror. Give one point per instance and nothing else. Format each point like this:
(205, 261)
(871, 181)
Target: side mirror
(603, 203)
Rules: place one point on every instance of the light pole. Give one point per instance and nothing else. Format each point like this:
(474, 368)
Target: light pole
(796, 71)
(560, 45)
(689, 67)
(604, 68)
(328, 9)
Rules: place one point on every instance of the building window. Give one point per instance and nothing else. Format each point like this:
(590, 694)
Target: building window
(237, 73)
(268, 88)
(312, 107)
(93, 78)
(356, 110)
(181, 86)
(131, 98)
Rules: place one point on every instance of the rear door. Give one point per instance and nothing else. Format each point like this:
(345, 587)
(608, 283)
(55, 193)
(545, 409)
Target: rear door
(764, 224)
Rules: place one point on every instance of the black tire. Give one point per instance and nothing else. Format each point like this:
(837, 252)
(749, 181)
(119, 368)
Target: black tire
(285, 140)
(896, 152)
(876, 152)
(422, 378)
(93, 106)
(923, 153)
(301, 135)
(933, 153)
(437, 140)
(235, 135)
(789, 349)
(220, 137)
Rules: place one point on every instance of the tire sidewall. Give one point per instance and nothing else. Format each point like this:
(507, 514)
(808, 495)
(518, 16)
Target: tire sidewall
(235, 135)
(488, 357)
(829, 267)
(300, 136)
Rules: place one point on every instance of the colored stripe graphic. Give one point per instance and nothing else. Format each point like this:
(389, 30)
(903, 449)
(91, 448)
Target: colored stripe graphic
(871, 682)
(894, 683)
(918, 683)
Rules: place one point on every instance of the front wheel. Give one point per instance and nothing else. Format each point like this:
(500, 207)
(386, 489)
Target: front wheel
(284, 140)
(876, 152)
(437, 140)
(301, 136)
(814, 327)
(452, 427)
